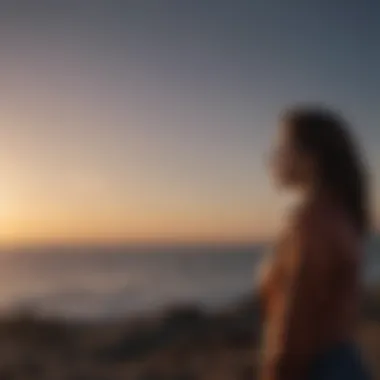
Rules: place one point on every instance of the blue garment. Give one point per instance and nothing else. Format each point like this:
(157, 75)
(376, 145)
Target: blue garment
(341, 362)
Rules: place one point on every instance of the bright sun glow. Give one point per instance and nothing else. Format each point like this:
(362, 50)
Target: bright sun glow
(8, 213)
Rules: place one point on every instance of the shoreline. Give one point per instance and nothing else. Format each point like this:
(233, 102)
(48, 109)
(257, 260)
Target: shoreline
(182, 342)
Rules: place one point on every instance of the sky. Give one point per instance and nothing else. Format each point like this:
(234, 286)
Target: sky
(149, 120)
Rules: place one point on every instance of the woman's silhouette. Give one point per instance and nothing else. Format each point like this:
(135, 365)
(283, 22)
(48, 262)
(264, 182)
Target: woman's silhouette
(311, 288)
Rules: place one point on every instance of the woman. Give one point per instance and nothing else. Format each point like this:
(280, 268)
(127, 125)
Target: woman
(311, 288)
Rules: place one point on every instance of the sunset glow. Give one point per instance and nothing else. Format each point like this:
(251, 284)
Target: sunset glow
(116, 127)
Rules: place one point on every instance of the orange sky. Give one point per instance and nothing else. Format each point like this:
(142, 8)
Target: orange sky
(28, 218)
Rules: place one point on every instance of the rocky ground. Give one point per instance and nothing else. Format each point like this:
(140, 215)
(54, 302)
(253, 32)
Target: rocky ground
(182, 343)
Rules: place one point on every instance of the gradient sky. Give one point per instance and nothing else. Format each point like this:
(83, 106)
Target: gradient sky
(146, 120)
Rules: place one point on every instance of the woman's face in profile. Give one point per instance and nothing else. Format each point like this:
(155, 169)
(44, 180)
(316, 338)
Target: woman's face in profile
(288, 166)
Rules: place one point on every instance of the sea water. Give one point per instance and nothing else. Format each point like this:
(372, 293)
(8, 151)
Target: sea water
(106, 282)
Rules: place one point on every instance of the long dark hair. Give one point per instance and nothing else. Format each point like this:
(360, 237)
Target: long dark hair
(325, 136)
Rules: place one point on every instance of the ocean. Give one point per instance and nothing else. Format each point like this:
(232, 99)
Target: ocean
(109, 282)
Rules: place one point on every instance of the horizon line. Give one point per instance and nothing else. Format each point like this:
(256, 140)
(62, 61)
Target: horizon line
(126, 243)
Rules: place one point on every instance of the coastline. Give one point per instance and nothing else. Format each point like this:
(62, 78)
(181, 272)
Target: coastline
(180, 343)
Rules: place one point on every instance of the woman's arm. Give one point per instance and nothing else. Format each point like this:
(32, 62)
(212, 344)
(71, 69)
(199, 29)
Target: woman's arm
(264, 274)
(291, 337)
